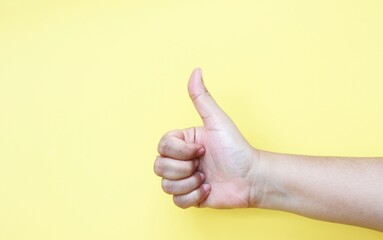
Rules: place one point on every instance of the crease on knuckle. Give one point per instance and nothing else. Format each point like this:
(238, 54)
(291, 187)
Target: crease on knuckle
(194, 96)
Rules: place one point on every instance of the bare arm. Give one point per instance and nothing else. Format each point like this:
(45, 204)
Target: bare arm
(343, 190)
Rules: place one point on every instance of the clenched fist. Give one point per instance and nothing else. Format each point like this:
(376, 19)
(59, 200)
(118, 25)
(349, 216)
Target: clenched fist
(209, 166)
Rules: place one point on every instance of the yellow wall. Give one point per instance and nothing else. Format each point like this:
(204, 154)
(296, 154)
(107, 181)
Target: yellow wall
(88, 87)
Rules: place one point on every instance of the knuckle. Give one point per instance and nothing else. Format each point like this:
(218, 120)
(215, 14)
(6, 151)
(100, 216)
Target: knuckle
(167, 186)
(163, 146)
(178, 201)
(158, 169)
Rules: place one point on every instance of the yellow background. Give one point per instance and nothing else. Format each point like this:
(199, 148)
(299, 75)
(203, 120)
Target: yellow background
(87, 88)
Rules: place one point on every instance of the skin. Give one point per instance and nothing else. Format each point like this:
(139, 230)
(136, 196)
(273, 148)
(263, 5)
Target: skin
(214, 166)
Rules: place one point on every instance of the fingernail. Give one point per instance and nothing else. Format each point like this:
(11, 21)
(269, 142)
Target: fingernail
(201, 151)
(202, 176)
(206, 187)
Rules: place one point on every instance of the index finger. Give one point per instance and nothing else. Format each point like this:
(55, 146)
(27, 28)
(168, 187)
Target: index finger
(173, 145)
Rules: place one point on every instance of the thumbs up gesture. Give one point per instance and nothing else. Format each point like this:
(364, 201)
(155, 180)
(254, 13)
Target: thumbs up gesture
(208, 166)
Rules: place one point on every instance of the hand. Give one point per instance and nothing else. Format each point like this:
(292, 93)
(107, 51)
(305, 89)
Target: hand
(210, 166)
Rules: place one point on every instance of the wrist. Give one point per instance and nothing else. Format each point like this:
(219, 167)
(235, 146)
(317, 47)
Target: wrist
(273, 182)
(258, 180)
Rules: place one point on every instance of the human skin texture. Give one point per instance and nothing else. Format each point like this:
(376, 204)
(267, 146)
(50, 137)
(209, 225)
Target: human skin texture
(214, 166)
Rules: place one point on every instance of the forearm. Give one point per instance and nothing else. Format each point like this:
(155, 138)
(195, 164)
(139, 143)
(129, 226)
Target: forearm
(343, 190)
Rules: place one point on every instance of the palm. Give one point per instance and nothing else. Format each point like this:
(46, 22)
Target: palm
(226, 165)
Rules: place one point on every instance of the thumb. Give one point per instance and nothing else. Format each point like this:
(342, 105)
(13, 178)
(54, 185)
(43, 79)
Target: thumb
(207, 108)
